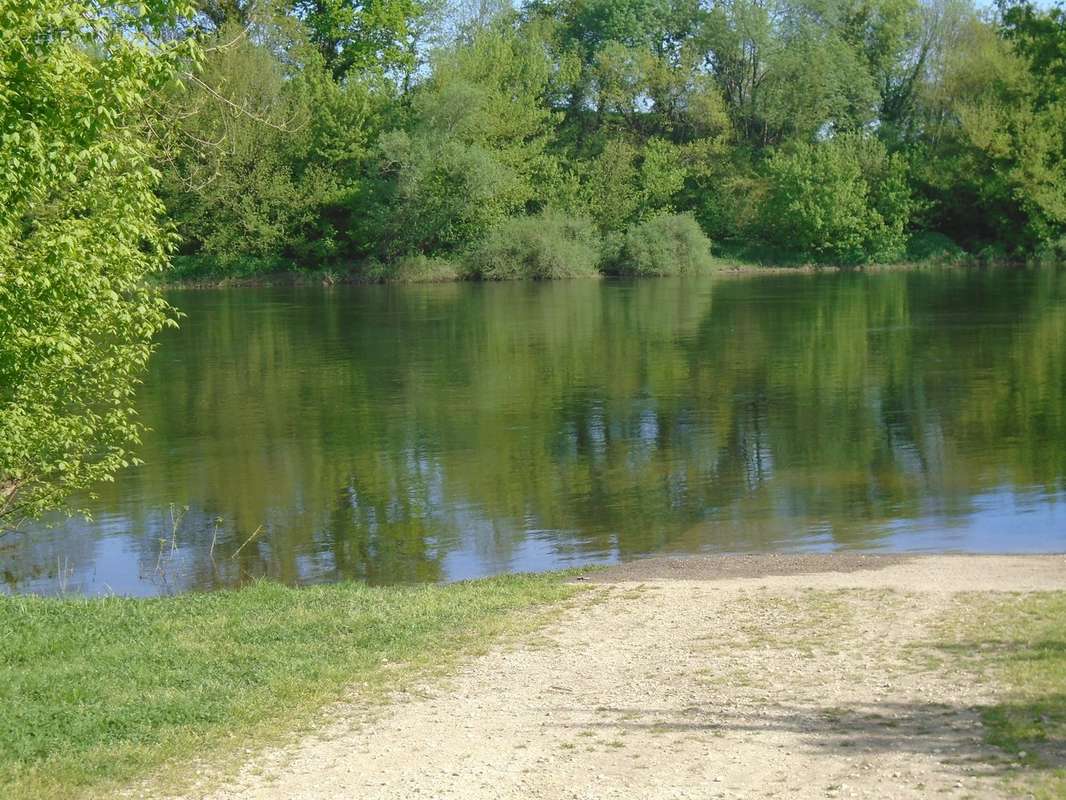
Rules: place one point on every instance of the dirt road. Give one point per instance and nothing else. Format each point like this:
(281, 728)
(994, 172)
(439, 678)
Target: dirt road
(787, 677)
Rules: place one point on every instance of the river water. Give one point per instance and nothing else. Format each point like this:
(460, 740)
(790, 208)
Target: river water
(428, 433)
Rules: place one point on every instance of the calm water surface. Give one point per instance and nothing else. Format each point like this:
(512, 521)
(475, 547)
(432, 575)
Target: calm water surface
(427, 433)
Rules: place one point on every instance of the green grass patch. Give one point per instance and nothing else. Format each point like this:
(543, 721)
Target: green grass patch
(1020, 643)
(97, 693)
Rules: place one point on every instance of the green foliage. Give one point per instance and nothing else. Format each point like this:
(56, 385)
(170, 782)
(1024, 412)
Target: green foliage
(994, 167)
(446, 194)
(182, 676)
(1053, 252)
(339, 132)
(626, 183)
(263, 160)
(545, 246)
(666, 244)
(609, 191)
(316, 140)
(361, 36)
(930, 246)
(841, 200)
(208, 269)
(789, 69)
(1039, 36)
(474, 150)
(80, 230)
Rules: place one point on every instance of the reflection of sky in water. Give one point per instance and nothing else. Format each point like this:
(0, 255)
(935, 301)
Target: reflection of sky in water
(400, 435)
(538, 551)
(1036, 521)
(119, 564)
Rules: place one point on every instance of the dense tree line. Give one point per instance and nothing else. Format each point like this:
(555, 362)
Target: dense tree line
(402, 138)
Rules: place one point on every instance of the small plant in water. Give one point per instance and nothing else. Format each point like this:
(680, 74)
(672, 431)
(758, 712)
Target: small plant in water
(64, 569)
(214, 538)
(169, 545)
(255, 533)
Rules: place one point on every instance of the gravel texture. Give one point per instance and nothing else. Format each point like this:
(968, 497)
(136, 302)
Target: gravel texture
(717, 567)
(720, 677)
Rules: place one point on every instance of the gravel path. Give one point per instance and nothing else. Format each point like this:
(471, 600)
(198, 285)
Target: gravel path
(764, 677)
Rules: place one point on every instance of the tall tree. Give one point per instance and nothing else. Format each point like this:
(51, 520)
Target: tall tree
(1039, 36)
(473, 153)
(994, 157)
(372, 34)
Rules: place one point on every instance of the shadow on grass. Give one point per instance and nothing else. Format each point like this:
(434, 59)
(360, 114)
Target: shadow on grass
(953, 735)
(1031, 720)
(1008, 651)
(1021, 737)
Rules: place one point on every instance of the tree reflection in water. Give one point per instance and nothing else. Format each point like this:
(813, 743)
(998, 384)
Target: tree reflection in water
(424, 433)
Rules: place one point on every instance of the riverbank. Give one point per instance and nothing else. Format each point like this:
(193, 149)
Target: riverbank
(197, 274)
(95, 694)
(746, 676)
(785, 677)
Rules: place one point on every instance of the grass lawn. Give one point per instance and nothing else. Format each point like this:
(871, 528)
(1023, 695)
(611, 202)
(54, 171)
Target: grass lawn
(1019, 643)
(97, 693)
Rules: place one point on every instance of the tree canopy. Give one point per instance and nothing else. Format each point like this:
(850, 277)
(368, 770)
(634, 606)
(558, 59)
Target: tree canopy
(792, 130)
